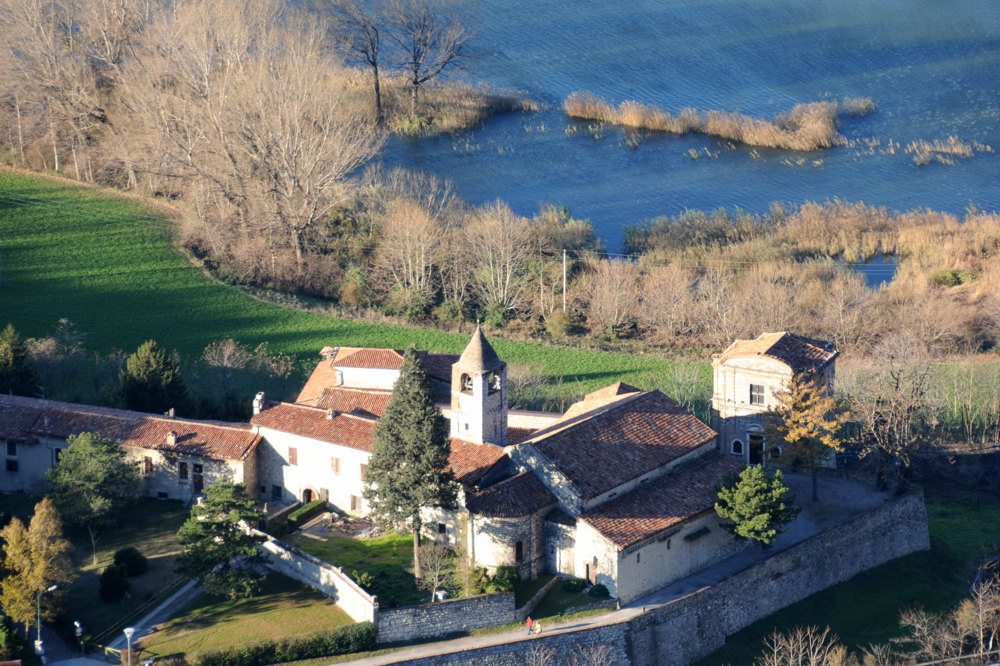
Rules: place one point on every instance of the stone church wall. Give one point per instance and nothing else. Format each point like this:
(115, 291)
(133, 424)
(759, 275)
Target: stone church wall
(411, 623)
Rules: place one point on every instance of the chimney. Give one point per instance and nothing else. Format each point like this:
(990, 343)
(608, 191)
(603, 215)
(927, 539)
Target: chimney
(330, 413)
(258, 403)
(169, 413)
(171, 438)
(328, 352)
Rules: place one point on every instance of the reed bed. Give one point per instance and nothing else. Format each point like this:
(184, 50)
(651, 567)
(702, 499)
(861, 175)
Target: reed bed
(945, 152)
(806, 127)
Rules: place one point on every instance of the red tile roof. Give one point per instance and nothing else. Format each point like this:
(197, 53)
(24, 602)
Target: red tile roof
(615, 442)
(324, 375)
(366, 357)
(518, 496)
(797, 352)
(356, 432)
(352, 400)
(21, 418)
(470, 461)
(662, 503)
(516, 435)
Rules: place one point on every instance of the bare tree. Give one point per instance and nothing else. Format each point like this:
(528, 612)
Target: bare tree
(437, 566)
(497, 245)
(432, 35)
(359, 26)
(410, 243)
(803, 646)
(612, 292)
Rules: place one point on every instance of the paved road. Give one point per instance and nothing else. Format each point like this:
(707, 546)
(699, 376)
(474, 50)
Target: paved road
(841, 500)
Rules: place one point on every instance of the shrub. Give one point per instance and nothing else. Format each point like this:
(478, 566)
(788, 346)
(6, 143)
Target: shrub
(114, 583)
(279, 529)
(599, 592)
(505, 579)
(305, 513)
(557, 323)
(573, 585)
(344, 640)
(10, 641)
(947, 278)
(135, 563)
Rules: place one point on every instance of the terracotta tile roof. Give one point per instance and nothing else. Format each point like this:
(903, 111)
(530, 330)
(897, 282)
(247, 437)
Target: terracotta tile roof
(470, 461)
(797, 352)
(356, 432)
(604, 447)
(34, 417)
(599, 398)
(352, 400)
(516, 435)
(518, 496)
(662, 503)
(367, 357)
(438, 366)
(324, 375)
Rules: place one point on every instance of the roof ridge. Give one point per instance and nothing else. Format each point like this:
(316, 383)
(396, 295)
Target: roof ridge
(561, 425)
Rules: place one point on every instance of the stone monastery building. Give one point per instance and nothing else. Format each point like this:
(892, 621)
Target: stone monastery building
(619, 489)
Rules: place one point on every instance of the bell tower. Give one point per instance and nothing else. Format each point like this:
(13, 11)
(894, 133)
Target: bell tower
(479, 394)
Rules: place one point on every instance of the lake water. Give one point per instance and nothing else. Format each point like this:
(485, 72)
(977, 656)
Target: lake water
(932, 67)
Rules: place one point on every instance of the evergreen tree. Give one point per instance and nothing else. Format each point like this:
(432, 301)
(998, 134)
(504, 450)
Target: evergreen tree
(17, 373)
(808, 420)
(218, 551)
(758, 505)
(408, 468)
(35, 558)
(151, 380)
(92, 482)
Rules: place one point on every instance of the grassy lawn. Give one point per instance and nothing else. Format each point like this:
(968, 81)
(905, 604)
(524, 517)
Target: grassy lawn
(388, 558)
(866, 609)
(558, 600)
(526, 589)
(284, 609)
(108, 264)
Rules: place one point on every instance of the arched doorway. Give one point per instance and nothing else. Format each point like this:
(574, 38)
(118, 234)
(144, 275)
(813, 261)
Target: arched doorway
(308, 496)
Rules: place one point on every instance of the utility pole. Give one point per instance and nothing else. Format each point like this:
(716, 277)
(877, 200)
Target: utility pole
(564, 280)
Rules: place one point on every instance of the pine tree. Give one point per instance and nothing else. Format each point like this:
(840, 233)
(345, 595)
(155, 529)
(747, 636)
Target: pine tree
(17, 373)
(758, 504)
(807, 418)
(35, 559)
(408, 468)
(218, 551)
(151, 380)
(92, 482)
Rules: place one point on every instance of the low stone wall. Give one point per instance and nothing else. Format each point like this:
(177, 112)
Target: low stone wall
(692, 627)
(521, 614)
(410, 623)
(321, 576)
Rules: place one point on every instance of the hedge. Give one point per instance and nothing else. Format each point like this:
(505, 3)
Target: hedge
(303, 514)
(344, 640)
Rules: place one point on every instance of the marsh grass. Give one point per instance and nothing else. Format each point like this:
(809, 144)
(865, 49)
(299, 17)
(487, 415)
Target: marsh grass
(944, 152)
(806, 127)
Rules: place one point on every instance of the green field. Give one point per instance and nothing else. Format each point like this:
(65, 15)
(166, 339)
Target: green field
(865, 610)
(108, 264)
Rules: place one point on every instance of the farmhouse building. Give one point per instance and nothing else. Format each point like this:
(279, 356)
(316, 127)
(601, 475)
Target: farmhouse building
(177, 458)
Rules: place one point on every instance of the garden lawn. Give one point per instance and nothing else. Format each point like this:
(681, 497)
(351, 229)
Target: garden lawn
(108, 264)
(388, 559)
(284, 609)
(866, 609)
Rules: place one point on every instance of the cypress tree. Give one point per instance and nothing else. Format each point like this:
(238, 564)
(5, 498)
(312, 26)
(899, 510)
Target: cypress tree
(408, 468)
(17, 373)
(151, 380)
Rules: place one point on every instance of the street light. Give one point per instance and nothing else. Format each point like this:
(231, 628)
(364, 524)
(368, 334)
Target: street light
(128, 641)
(78, 630)
(39, 649)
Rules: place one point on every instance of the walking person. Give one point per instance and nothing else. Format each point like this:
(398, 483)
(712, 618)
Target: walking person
(530, 624)
(538, 628)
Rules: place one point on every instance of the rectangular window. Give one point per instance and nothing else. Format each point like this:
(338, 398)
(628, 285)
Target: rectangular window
(638, 558)
(182, 470)
(756, 394)
(293, 455)
(263, 490)
(364, 471)
(147, 466)
(12, 449)
(11, 465)
(335, 466)
(196, 469)
(355, 503)
(276, 492)
(442, 528)
(56, 454)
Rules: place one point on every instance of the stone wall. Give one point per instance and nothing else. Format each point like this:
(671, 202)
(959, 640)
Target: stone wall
(692, 627)
(445, 617)
(321, 576)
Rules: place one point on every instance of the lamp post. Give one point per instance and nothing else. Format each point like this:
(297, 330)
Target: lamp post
(78, 630)
(128, 642)
(38, 643)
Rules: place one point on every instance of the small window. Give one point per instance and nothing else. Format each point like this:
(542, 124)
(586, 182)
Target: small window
(161, 495)
(756, 394)
(638, 558)
(737, 447)
(182, 470)
(293, 455)
(56, 455)
(263, 490)
(276, 492)
(355, 503)
(519, 552)
(196, 469)
(11, 465)
(147, 466)
(335, 466)
(442, 528)
(364, 471)
(12, 449)
(668, 544)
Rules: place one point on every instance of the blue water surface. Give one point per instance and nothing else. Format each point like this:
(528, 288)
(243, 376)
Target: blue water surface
(930, 65)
